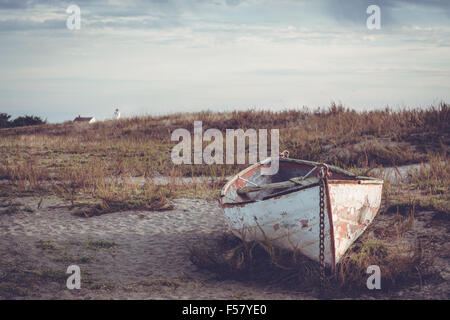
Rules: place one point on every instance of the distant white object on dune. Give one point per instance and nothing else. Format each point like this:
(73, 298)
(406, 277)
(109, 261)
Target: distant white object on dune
(117, 114)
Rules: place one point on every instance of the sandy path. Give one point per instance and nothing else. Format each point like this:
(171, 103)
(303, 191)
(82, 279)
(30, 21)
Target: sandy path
(148, 257)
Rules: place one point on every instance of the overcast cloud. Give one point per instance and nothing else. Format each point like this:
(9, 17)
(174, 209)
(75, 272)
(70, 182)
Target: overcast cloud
(160, 56)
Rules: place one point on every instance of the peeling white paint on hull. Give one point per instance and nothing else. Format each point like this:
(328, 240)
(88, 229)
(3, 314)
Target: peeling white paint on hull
(290, 222)
(353, 207)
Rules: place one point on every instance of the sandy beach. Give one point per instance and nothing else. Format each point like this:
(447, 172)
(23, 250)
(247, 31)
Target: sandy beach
(144, 255)
(149, 258)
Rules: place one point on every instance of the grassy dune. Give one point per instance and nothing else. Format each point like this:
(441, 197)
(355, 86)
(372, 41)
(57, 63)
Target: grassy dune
(93, 168)
(97, 161)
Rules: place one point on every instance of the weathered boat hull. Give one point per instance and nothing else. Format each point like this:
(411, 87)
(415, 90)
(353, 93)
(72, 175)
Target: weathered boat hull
(353, 208)
(291, 220)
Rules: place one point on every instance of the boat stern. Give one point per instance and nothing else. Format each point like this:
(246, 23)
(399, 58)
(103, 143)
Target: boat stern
(354, 205)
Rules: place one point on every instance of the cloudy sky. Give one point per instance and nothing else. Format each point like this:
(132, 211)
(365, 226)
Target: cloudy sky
(162, 56)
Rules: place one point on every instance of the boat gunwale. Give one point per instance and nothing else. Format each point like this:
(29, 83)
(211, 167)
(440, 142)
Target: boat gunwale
(275, 195)
(355, 180)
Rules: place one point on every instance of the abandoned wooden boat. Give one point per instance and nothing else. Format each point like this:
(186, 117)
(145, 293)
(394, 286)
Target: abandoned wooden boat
(284, 208)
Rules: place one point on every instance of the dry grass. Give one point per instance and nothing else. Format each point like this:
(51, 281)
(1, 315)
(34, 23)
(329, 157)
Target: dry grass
(96, 163)
(26, 281)
(400, 266)
(424, 188)
(336, 135)
(262, 263)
